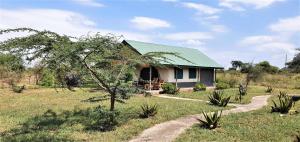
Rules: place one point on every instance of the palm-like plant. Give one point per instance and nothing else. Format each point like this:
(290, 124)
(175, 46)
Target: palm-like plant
(284, 105)
(216, 98)
(211, 120)
(148, 110)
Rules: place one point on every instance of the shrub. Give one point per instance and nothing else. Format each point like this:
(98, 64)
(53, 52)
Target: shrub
(232, 83)
(147, 94)
(18, 89)
(199, 87)
(211, 120)
(222, 85)
(216, 98)
(72, 80)
(169, 88)
(285, 103)
(148, 111)
(101, 119)
(269, 89)
(47, 79)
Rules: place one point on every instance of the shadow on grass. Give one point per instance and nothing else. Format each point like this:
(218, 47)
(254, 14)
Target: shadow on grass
(51, 126)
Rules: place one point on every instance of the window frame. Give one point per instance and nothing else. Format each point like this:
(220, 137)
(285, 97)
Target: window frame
(194, 73)
(176, 71)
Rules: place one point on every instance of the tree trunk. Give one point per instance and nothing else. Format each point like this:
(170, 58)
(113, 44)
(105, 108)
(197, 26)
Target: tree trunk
(112, 102)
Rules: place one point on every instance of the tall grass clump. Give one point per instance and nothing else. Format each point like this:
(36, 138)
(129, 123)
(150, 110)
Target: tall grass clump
(217, 98)
(285, 103)
(211, 120)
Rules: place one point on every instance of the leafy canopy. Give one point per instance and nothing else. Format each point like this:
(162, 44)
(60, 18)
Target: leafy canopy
(102, 58)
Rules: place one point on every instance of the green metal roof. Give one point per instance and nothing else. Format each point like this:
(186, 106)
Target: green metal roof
(196, 57)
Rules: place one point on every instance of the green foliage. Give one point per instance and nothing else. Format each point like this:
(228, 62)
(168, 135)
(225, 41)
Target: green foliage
(103, 59)
(12, 62)
(18, 89)
(236, 64)
(101, 119)
(148, 111)
(265, 66)
(222, 85)
(169, 88)
(211, 120)
(269, 89)
(47, 79)
(294, 65)
(199, 87)
(217, 98)
(284, 105)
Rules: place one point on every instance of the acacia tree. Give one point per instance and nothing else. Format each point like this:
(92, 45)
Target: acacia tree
(102, 58)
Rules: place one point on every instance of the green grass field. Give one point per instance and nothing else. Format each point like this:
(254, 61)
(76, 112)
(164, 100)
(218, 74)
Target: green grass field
(259, 125)
(252, 91)
(16, 110)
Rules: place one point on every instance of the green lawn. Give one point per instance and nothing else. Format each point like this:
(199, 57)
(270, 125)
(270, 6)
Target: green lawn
(260, 125)
(252, 91)
(16, 109)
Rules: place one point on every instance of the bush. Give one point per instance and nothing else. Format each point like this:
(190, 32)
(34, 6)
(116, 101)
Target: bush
(148, 111)
(222, 85)
(102, 119)
(216, 98)
(169, 88)
(199, 87)
(47, 79)
(269, 89)
(72, 80)
(210, 120)
(18, 89)
(285, 103)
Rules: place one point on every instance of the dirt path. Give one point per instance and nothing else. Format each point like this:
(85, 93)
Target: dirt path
(168, 131)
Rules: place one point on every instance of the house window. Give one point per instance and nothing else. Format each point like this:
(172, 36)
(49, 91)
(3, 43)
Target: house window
(178, 73)
(192, 73)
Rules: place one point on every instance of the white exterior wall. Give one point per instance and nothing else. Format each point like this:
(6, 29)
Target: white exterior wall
(167, 74)
(185, 78)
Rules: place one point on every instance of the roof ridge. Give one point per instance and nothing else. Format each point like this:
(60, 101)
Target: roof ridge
(163, 44)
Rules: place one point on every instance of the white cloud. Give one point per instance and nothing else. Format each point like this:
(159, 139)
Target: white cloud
(201, 8)
(259, 39)
(60, 21)
(289, 25)
(276, 47)
(185, 36)
(219, 28)
(92, 3)
(147, 23)
(264, 43)
(239, 5)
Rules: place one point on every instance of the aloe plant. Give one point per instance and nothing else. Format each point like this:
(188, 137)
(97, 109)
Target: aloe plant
(211, 120)
(148, 110)
(269, 89)
(285, 103)
(216, 98)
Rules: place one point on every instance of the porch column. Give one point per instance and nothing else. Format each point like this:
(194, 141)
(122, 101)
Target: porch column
(215, 75)
(150, 76)
(176, 77)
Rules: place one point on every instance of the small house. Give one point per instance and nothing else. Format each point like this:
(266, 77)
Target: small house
(185, 73)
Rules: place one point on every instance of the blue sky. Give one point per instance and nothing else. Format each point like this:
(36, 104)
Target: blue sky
(247, 30)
